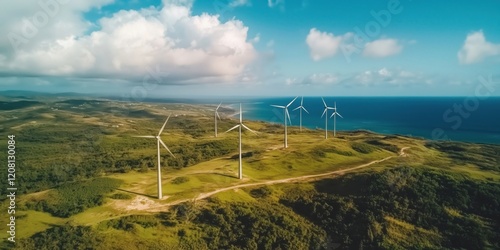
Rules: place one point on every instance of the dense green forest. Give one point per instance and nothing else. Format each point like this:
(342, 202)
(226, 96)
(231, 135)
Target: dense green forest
(73, 198)
(465, 213)
(398, 208)
(62, 237)
(52, 157)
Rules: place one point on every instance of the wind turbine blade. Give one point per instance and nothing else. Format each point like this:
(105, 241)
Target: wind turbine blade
(302, 101)
(339, 115)
(163, 127)
(232, 128)
(241, 114)
(305, 109)
(278, 106)
(165, 146)
(335, 105)
(145, 136)
(330, 108)
(332, 114)
(292, 101)
(297, 108)
(218, 106)
(217, 113)
(248, 128)
(324, 111)
(324, 103)
(288, 115)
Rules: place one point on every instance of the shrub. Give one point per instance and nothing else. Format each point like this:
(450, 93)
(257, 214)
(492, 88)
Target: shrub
(180, 180)
(261, 192)
(121, 196)
(386, 146)
(362, 147)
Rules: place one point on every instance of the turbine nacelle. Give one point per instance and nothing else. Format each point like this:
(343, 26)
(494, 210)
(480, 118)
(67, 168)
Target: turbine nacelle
(301, 106)
(287, 115)
(326, 110)
(217, 109)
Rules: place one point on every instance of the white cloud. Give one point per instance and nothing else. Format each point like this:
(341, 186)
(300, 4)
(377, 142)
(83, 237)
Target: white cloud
(291, 80)
(476, 48)
(404, 73)
(24, 24)
(382, 48)
(270, 44)
(314, 79)
(238, 3)
(256, 39)
(386, 76)
(323, 45)
(130, 44)
(274, 3)
(385, 72)
(326, 78)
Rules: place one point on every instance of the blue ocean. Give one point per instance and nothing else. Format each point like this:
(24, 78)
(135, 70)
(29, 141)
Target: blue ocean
(444, 118)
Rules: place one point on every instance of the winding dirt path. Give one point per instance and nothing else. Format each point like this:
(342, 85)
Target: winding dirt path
(202, 196)
(299, 178)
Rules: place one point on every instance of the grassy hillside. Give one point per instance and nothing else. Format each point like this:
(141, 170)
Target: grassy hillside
(83, 173)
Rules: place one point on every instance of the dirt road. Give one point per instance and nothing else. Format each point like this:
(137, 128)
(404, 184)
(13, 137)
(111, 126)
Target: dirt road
(202, 196)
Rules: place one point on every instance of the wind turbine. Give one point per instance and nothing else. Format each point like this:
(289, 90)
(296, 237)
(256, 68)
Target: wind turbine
(325, 113)
(159, 141)
(216, 115)
(335, 113)
(300, 108)
(240, 125)
(285, 115)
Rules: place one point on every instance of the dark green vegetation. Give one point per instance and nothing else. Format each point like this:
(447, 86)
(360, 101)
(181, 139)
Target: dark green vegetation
(192, 153)
(62, 237)
(381, 144)
(121, 196)
(72, 198)
(362, 147)
(321, 151)
(261, 192)
(486, 157)
(17, 105)
(443, 210)
(180, 180)
(259, 225)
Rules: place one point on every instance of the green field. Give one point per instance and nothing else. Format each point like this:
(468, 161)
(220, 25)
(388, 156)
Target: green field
(81, 170)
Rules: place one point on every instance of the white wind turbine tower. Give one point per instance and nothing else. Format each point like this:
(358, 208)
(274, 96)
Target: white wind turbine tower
(216, 115)
(285, 116)
(159, 141)
(240, 125)
(325, 113)
(335, 113)
(300, 108)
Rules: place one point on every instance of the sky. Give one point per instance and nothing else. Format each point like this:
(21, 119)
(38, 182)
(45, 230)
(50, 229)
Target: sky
(190, 48)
